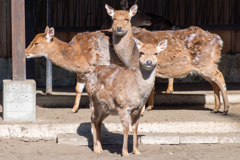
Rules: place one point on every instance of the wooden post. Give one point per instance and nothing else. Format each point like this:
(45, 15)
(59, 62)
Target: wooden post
(18, 40)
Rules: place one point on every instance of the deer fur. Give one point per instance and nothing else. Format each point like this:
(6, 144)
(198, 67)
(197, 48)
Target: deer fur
(115, 90)
(81, 55)
(191, 50)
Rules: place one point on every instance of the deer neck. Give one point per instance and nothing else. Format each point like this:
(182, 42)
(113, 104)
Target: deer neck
(60, 54)
(124, 47)
(145, 80)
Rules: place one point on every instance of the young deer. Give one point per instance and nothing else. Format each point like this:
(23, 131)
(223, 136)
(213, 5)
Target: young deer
(190, 50)
(115, 90)
(81, 55)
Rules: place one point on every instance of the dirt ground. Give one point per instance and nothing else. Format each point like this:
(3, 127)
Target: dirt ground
(50, 150)
(21, 149)
(183, 113)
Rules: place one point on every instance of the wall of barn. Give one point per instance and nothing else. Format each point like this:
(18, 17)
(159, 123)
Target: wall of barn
(92, 13)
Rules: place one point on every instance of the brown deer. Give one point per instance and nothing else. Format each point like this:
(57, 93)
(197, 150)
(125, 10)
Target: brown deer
(81, 55)
(140, 19)
(190, 50)
(115, 90)
(157, 23)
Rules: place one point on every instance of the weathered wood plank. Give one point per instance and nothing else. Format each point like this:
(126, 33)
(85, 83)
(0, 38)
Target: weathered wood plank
(9, 30)
(3, 31)
(18, 40)
(236, 41)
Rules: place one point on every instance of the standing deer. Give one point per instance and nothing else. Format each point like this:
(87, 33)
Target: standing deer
(190, 50)
(115, 90)
(157, 23)
(81, 55)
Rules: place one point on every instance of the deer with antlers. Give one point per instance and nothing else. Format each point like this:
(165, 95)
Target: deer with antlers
(190, 50)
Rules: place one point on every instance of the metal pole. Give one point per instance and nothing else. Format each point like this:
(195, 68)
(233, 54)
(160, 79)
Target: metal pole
(48, 62)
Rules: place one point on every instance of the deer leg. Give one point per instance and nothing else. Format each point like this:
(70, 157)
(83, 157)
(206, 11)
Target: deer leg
(94, 128)
(151, 100)
(79, 88)
(216, 97)
(216, 94)
(222, 85)
(142, 111)
(135, 121)
(98, 128)
(216, 78)
(125, 122)
(170, 86)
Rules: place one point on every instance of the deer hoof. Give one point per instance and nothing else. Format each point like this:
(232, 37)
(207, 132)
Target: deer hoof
(136, 151)
(168, 92)
(74, 110)
(224, 113)
(149, 108)
(214, 111)
(97, 150)
(125, 153)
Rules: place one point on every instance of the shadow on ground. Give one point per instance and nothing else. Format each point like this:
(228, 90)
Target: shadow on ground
(110, 144)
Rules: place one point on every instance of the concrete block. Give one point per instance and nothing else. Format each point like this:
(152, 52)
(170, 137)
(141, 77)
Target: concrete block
(160, 139)
(198, 139)
(87, 139)
(19, 100)
(4, 131)
(229, 139)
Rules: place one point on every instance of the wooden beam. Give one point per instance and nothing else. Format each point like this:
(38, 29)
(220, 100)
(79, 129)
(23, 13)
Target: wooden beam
(18, 40)
(3, 29)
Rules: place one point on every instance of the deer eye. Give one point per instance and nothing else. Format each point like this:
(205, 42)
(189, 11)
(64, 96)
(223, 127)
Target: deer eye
(155, 53)
(35, 44)
(113, 19)
(141, 53)
(127, 19)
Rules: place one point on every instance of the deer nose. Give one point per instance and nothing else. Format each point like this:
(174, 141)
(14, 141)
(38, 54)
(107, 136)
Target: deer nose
(119, 28)
(149, 63)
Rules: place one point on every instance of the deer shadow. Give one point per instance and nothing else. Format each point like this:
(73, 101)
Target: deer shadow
(113, 145)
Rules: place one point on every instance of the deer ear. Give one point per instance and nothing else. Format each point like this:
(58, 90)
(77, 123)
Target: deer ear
(124, 4)
(137, 43)
(110, 10)
(50, 34)
(46, 29)
(162, 45)
(133, 10)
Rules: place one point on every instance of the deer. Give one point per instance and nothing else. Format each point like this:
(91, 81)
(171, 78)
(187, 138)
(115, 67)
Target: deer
(140, 19)
(81, 55)
(190, 50)
(115, 90)
(157, 23)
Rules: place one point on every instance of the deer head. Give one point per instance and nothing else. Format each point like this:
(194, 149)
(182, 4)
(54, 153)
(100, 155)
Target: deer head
(121, 19)
(148, 53)
(41, 44)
